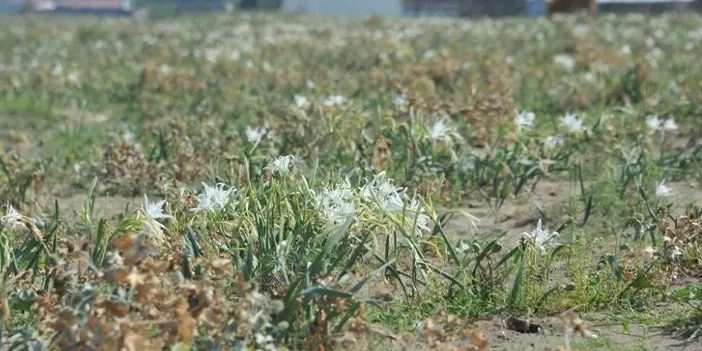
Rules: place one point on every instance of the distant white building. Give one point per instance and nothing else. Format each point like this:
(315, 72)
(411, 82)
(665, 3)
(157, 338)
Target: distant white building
(470, 8)
(387, 8)
(651, 6)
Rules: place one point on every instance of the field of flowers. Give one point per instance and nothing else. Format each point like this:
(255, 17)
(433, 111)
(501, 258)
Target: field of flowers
(268, 181)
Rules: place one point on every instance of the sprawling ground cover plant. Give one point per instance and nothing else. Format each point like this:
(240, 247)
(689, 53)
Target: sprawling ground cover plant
(267, 181)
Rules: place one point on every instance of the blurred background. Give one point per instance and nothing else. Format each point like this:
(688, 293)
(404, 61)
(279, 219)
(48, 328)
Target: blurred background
(390, 8)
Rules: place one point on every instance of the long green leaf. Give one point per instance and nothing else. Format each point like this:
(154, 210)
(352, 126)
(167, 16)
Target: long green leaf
(357, 287)
(517, 282)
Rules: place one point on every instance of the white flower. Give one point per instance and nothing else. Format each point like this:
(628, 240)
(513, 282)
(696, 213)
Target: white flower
(662, 190)
(263, 339)
(128, 136)
(657, 53)
(337, 204)
(670, 126)
(301, 102)
(154, 210)
(414, 211)
(213, 197)
(430, 54)
(590, 77)
(114, 259)
(463, 247)
(212, 55)
(566, 61)
(254, 135)
(553, 141)
(11, 213)
(164, 69)
(399, 100)
(572, 123)
(310, 84)
(58, 69)
(542, 238)
(625, 50)
(73, 77)
(383, 192)
(379, 188)
(524, 120)
(282, 164)
(653, 122)
(441, 130)
(12, 217)
(334, 100)
(581, 30)
(394, 202)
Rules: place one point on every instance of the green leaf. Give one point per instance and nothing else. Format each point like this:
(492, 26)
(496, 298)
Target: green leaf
(100, 243)
(249, 267)
(506, 257)
(641, 282)
(517, 285)
(339, 234)
(357, 287)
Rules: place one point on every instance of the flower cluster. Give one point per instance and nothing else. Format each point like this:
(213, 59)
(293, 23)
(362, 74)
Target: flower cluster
(541, 238)
(214, 197)
(337, 204)
(384, 194)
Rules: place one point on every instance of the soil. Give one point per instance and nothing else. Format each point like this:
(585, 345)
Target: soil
(520, 215)
(612, 337)
(551, 338)
(515, 217)
(105, 207)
